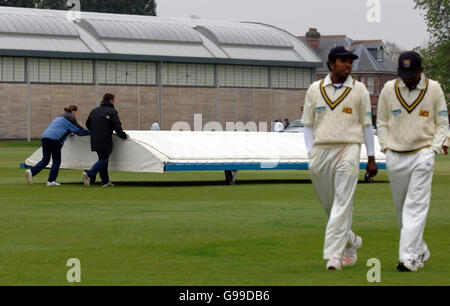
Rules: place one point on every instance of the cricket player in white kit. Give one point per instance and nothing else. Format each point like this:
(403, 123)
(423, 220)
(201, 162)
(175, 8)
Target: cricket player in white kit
(338, 119)
(412, 128)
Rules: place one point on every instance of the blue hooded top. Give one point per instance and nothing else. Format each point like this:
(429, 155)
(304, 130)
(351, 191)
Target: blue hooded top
(62, 127)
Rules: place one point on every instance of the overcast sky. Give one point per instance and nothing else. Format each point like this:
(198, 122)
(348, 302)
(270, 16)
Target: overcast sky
(400, 22)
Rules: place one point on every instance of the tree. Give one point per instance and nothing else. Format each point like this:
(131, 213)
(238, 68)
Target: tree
(18, 3)
(436, 53)
(393, 50)
(135, 7)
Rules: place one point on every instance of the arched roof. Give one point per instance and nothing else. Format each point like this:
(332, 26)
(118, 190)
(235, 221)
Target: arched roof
(152, 31)
(53, 33)
(241, 35)
(36, 25)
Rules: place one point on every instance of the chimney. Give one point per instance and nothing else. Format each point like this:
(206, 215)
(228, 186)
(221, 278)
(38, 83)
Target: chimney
(313, 38)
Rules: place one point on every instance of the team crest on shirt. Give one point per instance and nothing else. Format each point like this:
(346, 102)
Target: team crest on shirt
(348, 110)
(396, 112)
(108, 117)
(424, 113)
(320, 110)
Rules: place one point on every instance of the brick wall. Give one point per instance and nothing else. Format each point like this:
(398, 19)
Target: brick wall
(13, 111)
(178, 104)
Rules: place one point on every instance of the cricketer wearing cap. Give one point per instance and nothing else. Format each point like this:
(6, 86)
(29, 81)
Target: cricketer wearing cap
(338, 119)
(412, 127)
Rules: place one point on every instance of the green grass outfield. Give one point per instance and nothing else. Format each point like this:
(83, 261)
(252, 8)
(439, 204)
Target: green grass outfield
(191, 229)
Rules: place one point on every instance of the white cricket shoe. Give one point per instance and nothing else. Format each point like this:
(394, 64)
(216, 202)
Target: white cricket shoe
(86, 179)
(350, 254)
(423, 259)
(334, 264)
(407, 266)
(51, 184)
(29, 176)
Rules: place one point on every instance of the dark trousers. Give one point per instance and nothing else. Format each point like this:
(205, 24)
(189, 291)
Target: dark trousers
(100, 167)
(50, 149)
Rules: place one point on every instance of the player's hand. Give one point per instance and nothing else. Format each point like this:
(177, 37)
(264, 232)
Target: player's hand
(128, 137)
(372, 168)
(445, 148)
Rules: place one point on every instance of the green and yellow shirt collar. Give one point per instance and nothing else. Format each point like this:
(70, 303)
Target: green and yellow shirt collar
(327, 82)
(422, 86)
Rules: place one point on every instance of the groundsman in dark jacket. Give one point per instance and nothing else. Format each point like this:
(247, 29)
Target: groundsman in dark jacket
(102, 121)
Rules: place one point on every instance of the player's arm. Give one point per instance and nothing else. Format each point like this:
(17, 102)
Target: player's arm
(309, 138)
(308, 121)
(365, 118)
(383, 120)
(441, 123)
(446, 144)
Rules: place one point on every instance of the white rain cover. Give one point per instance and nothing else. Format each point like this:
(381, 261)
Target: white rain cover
(127, 156)
(148, 151)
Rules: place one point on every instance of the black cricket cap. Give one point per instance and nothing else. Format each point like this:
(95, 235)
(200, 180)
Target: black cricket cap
(409, 64)
(341, 51)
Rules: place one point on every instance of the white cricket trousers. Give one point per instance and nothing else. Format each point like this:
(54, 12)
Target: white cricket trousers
(411, 176)
(334, 172)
